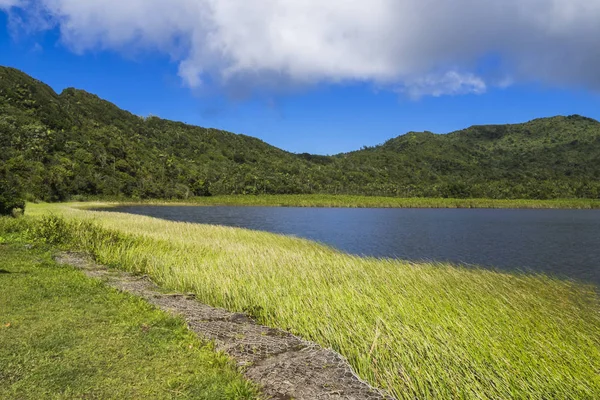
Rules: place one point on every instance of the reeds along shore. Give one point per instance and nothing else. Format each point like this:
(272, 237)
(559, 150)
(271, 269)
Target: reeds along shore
(417, 330)
(318, 200)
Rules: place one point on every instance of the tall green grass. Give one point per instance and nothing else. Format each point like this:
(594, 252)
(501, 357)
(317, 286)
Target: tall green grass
(418, 330)
(318, 200)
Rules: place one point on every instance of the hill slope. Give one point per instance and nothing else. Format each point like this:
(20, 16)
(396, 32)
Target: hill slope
(543, 158)
(74, 143)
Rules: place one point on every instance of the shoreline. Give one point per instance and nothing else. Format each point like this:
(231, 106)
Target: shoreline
(347, 201)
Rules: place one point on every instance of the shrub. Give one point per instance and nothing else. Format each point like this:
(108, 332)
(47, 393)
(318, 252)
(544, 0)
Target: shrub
(10, 202)
(12, 229)
(50, 229)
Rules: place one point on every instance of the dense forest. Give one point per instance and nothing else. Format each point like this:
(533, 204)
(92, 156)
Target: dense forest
(56, 147)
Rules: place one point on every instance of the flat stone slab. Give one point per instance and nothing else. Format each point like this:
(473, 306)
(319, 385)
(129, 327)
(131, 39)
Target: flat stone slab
(285, 366)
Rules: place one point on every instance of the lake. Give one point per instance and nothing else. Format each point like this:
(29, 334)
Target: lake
(558, 242)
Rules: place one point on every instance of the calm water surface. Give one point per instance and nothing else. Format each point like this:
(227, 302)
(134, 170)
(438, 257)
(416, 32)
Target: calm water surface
(558, 242)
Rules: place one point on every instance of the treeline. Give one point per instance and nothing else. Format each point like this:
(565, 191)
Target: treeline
(76, 145)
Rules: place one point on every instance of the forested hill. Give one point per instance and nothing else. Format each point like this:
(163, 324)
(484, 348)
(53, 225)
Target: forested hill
(57, 146)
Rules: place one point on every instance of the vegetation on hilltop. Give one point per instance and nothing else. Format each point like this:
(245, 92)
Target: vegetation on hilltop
(59, 146)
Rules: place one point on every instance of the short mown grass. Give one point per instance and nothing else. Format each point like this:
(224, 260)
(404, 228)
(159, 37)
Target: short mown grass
(426, 331)
(65, 336)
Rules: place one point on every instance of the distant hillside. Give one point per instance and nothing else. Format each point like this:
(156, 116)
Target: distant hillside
(543, 158)
(56, 146)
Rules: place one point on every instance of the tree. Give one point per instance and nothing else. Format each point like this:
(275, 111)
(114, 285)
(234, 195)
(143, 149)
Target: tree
(10, 196)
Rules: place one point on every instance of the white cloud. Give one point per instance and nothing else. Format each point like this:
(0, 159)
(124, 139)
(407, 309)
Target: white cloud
(449, 83)
(418, 45)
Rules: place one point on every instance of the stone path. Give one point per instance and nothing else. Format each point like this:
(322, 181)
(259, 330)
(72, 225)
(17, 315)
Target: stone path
(285, 366)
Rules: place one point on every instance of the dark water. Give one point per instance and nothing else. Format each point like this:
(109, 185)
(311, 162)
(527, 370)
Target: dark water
(558, 242)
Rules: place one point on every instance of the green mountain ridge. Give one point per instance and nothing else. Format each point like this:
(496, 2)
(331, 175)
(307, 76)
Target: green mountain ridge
(57, 146)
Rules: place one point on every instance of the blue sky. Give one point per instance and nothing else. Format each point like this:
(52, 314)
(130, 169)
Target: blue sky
(309, 110)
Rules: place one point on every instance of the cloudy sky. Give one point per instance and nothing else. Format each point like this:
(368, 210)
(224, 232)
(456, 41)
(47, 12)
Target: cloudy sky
(313, 75)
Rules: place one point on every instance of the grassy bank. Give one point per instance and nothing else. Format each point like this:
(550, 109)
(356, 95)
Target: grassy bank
(418, 330)
(318, 200)
(64, 336)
